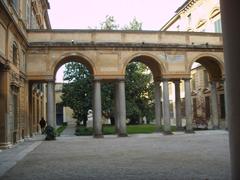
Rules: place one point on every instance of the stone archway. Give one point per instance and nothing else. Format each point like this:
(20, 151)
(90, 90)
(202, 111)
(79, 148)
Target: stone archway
(157, 68)
(66, 58)
(208, 92)
(73, 57)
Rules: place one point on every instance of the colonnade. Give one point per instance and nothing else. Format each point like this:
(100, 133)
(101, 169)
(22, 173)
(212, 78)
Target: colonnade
(120, 106)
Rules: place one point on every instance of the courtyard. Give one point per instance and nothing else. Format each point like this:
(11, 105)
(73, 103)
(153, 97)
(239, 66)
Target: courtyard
(202, 155)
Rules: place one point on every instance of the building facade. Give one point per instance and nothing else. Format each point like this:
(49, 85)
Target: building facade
(31, 53)
(201, 16)
(64, 114)
(197, 16)
(21, 103)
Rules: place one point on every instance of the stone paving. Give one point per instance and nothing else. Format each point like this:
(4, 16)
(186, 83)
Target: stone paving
(203, 155)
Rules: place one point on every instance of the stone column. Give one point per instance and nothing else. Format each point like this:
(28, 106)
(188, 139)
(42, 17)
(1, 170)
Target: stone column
(157, 94)
(121, 108)
(116, 109)
(230, 12)
(4, 115)
(35, 111)
(166, 114)
(51, 115)
(188, 106)
(225, 101)
(97, 110)
(214, 105)
(30, 100)
(178, 105)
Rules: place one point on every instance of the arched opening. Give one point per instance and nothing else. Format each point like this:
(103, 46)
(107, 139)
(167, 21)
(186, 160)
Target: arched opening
(46, 96)
(142, 77)
(73, 92)
(207, 87)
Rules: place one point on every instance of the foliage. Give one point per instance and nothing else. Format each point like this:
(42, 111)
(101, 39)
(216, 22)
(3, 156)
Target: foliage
(131, 129)
(139, 92)
(133, 25)
(61, 129)
(109, 23)
(50, 133)
(77, 94)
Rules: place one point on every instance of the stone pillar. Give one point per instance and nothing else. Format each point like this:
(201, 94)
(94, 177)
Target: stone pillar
(214, 106)
(35, 112)
(229, 12)
(166, 114)
(30, 100)
(97, 110)
(188, 106)
(116, 109)
(51, 115)
(4, 115)
(157, 94)
(225, 101)
(121, 108)
(178, 105)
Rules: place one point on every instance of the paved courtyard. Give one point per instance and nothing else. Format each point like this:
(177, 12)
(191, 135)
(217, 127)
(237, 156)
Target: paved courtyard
(203, 155)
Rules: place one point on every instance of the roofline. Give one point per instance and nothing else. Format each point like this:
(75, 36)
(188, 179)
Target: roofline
(170, 22)
(173, 19)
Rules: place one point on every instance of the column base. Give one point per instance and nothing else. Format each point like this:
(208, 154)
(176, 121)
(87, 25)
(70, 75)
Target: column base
(158, 130)
(98, 136)
(189, 131)
(6, 145)
(122, 135)
(167, 133)
(179, 129)
(215, 128)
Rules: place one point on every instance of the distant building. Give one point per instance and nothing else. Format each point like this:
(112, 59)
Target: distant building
(196, 15)
(199, 16)
(63, 114)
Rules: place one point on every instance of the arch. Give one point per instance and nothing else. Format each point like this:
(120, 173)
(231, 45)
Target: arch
(214, 12)
(77, 57)
(200, 23)
(211, 63)
(153, 62)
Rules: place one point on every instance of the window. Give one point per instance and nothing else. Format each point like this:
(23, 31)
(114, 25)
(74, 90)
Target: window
(28, 14)
(222, 105)
(15, 4)
(194, 107)
(218, 26)
(189, 19)
(178, 27)
(205, 76)
(207, 107)
(14, 54)
(193, 80)
(23, 62)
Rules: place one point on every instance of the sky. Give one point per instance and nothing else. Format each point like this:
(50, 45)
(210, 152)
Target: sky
(85, 14)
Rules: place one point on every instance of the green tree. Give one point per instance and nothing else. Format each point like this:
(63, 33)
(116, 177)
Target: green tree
(77, 93)
(133, 25)
(139, 92)
(109, 23)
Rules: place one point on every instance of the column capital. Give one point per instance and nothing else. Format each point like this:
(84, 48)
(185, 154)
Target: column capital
(185, 79)
(97, 80)
(165, 79)
(213, 81)
(120, 80)
(176, 81)
(50, 81)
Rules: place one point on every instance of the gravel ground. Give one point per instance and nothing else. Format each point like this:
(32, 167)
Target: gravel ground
(203, 155)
